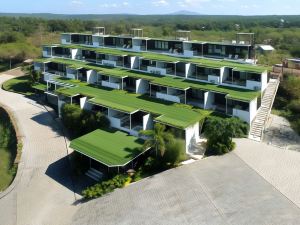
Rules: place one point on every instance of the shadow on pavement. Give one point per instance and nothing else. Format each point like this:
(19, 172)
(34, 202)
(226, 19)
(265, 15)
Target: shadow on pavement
(61, 172)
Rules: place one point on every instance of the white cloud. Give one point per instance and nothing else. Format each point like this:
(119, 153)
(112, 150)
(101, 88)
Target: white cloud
(197, 3)
(160, 3)
(76, 2)
(114, 5)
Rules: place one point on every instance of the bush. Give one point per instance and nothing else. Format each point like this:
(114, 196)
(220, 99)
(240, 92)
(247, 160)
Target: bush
(105, 187)
(219, 133)
(294, 106)
(80, 122)
(175, 153)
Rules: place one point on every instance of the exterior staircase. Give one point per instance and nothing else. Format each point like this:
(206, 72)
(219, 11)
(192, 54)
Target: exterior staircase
(259, 122)
(94, 174)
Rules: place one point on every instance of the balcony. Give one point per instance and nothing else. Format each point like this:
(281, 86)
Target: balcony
(112, 85)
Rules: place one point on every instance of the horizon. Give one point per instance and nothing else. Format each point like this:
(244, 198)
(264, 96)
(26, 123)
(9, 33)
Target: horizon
(154, 7)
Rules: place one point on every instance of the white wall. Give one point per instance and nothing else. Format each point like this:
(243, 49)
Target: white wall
(76, 53)
(191, 136)
(264, 80)
(253, 109)
(148, 122)
(134, 62)
(84, 104)
(91, 76)
(188, 69)
(142, 86)
(209, 99)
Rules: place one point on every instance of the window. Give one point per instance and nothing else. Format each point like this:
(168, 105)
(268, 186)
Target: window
(161, 45)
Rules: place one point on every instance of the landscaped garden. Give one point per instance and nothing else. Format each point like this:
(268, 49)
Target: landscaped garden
(8, 150)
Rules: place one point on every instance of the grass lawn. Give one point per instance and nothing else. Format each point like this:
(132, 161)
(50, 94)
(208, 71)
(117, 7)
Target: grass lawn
(19, 85)
(8, 150)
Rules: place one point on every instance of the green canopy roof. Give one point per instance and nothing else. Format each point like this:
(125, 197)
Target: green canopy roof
(111, 148)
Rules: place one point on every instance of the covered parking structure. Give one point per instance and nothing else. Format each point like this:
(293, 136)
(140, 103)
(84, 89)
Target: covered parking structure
(113, 149)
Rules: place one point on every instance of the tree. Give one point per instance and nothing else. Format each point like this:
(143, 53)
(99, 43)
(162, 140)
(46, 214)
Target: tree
(157, 138)
(219, 133)
(80, 122)
(33, 74)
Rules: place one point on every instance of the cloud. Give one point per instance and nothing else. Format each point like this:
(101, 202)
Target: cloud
(197, 3)
(76, 2)
(114, 5)
(160, 3)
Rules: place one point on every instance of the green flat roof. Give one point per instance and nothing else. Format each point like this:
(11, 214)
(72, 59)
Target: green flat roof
(214, 63)
(175, 82)
(112, 148)
(166, 112)
(39, 86)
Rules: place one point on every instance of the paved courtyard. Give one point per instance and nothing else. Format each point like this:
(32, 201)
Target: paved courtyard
(214, 191)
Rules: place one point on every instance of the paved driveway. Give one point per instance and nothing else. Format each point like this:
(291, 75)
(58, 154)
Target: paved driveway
(43, 189)
(214, 191)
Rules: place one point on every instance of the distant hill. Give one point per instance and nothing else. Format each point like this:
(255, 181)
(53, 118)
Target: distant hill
(185, 12)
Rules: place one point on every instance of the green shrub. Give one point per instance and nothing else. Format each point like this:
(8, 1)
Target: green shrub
(105, 187)
(80, 122)
(219, 133)
(294, 106)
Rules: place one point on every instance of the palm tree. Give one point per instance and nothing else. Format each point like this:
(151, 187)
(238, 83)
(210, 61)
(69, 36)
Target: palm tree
(157, 138)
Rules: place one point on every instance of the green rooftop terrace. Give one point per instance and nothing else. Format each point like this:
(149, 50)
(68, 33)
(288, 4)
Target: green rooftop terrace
(165, 112)
(212, 63)
(175, 82)
(102, 146)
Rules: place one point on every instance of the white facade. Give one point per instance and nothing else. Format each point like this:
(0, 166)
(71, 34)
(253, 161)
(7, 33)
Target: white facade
(191, 137)
(142, 86)
(91, 76)
(209, 99)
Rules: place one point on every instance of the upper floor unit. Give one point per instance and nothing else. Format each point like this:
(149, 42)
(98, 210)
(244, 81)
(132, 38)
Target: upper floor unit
(242, 48)
(215, 71)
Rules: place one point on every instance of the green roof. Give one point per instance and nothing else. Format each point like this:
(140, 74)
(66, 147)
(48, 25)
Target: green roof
(214, 63)
(175, 82)
(102, 146)
(166, 112)
(39, 86)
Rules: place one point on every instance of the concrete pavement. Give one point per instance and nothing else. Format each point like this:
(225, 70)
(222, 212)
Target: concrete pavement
(42, 194)
(214, 191)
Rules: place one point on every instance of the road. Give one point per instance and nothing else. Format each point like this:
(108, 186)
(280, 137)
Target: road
(42, 193)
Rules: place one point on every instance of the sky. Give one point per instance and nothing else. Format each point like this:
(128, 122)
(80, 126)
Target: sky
(211, 7)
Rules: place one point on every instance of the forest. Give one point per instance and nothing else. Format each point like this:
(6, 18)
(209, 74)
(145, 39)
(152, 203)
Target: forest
(22, 35)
